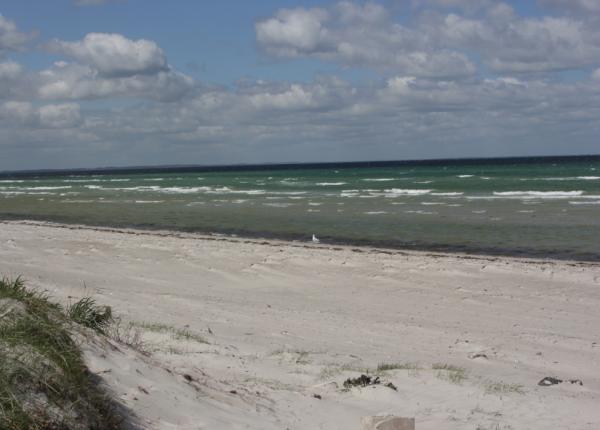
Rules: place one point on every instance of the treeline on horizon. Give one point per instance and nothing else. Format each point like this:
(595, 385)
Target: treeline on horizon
(297, 166)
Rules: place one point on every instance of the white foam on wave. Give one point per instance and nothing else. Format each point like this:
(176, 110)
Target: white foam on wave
(154, 179)
(11, 181)
(375, 213)
(278, 205)
(453, 194)
(433, 203)
(35, 188)
(421, 212)
(464, 176)
(379, 179)
(563, 178)
(479, 212)
(393, 192)
(328, 184)
(148, 201)
(314, 204)
(538, 194)
(592, 202)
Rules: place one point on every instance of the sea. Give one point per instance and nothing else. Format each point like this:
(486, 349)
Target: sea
(546, 207)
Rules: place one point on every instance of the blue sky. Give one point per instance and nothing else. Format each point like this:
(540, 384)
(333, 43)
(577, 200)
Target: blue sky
(151, 82)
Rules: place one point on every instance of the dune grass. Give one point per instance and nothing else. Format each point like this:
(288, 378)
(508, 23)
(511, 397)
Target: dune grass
(450, 373)
(44, 382)
(87, 313)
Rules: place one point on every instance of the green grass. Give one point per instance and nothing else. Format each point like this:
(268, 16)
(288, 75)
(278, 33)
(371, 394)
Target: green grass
(44, 382)
(450, 373)
(87, 313)
(503, 388)
(384, 367)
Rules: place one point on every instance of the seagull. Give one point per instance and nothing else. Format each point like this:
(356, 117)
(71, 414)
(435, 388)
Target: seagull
(315, 240)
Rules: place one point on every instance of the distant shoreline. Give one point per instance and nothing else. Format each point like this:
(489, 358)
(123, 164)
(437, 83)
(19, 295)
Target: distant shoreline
(327, 243)
(296, 166)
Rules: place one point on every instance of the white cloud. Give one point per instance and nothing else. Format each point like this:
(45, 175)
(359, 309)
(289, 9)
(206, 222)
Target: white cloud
(356, 35)
(76, 81)
(65, 115)
(113, 55)
(294, 32)
(435, 44)
(11, 39)
(9, 70)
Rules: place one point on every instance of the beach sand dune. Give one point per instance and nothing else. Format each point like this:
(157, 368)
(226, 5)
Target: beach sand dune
(262, 334)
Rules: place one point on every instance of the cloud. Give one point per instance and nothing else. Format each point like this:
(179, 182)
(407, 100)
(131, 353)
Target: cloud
(59, 116)
(358, 35)
(76, 81)
(11, 39)
(111, 65)
(113, 55)
(509, 43)
(435, 44)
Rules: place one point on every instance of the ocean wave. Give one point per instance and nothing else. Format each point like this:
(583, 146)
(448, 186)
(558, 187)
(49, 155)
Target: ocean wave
(379, 179)
(35, 188)
(464, 176)
(278, 205)
(538, 194)
(393, 192)
(453, 194)
(314, 204)
(148, 201)
(11, 181)
(421, 212)
(328, 184)
(375, 213)
(563, 178)
(593, 202)
(433, 203)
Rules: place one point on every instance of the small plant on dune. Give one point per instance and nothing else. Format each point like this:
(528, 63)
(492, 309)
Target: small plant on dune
(503, 388)
(87, 313)
(450, 373)
(383, 367)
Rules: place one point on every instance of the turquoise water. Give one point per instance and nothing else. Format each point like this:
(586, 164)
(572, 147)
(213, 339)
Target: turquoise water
(539, 209)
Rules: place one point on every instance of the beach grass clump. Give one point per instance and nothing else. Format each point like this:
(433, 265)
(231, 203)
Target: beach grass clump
(450, 373)
(44, 382)
(503, 388)
(87, 313)
(127, 333)
(384, 367)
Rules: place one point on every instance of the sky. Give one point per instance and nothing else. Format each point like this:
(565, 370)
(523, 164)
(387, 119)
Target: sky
(97, 83)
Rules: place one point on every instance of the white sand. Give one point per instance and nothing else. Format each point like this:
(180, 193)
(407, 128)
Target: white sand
(292, 320)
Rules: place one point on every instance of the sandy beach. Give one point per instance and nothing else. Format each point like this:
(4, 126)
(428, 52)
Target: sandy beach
(262, 334)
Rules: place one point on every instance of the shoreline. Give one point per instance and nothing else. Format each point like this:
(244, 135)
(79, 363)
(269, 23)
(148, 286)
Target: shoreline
(334, 244)
(249, 331)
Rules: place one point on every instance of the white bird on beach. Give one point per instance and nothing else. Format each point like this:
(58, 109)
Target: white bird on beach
(315, 240)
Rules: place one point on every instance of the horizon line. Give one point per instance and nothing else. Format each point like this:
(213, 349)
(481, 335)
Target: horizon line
(285, 164)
